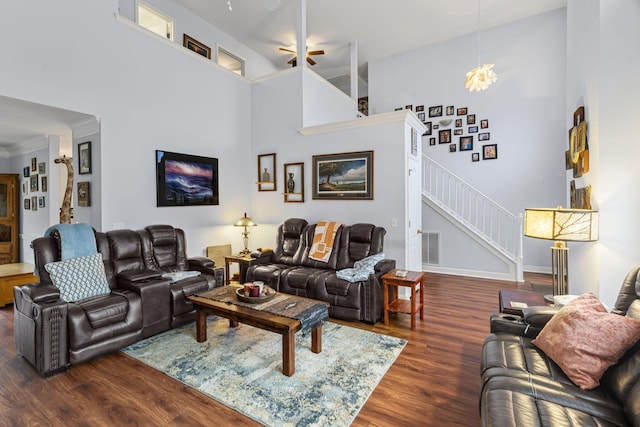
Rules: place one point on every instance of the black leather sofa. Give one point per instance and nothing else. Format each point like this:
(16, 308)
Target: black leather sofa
(522, 386)
(288, 268)
(52, 333)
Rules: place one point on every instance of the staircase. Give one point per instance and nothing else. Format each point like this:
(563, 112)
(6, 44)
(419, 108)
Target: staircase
(491, 225)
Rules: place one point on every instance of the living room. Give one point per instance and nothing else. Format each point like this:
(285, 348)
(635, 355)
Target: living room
(89, 62)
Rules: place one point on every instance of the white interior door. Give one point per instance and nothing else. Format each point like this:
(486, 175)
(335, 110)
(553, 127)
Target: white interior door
(414, 213)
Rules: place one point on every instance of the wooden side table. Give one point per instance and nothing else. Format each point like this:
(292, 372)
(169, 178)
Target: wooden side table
(14, 275)
(413, 280)
(243, 260)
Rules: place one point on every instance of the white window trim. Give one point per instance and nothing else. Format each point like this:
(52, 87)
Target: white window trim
(242, 61)
(163, 15)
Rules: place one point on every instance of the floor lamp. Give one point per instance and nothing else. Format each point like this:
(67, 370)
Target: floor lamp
(561, 225)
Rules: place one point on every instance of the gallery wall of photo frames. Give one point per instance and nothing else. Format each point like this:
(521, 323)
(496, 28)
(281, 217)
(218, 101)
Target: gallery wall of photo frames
(34, 185)
(458, 129)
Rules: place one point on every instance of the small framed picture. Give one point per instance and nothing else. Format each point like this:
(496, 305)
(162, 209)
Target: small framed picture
(458, 123)
(444, 136)
(457, 132)
(452, 148)
(432, 141)
(41, 202)
(471, 119)
(34, 203)
(428, 131)
(421, 116)
(25, 186)
(41, 168)
(84, 195)
(484, 124)
(489, 151)
(84, 158)
(436, 126)
(484, 136)
(43, 184)
(473, 129)
(408, 107)
(461, 111)
(34, 164)
(26, 171)
(33, 183)
(466, 143)
(194, 45)
(27, 204)
(450, 110)
(475, 157)
(435, 111)
(419, 108)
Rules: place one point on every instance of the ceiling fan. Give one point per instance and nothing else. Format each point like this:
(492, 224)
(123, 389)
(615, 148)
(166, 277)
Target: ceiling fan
(293, 61)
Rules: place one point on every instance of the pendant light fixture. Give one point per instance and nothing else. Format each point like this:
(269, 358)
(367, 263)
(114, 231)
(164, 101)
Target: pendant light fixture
(481, 77)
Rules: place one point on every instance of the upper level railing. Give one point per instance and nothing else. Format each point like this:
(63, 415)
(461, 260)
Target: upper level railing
(487, 219)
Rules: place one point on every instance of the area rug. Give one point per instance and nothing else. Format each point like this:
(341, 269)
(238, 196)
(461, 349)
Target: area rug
(242, 368)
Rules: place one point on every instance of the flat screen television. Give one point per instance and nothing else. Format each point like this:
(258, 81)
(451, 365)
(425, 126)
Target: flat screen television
(186, 180)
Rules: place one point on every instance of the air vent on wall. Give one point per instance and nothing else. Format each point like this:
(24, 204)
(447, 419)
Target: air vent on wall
(431, 247)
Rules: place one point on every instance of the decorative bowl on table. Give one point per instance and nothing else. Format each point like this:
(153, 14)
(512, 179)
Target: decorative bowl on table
(266, 295)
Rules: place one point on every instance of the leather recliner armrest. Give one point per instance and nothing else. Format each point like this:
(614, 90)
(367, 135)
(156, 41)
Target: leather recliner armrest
(261, 257)
(385, 265)
(201, 261)
(538, 315)
(137, 275)
(38, 293)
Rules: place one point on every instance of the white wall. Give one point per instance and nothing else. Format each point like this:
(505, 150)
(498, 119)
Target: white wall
(604, 54)
(274, 130)
(317, 95)
(148, 94)
(525, 109)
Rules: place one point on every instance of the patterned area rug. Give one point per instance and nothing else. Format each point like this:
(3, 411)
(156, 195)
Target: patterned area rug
(242, 368)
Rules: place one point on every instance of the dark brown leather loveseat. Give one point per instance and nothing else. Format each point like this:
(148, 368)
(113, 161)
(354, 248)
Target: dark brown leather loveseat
(288, 268)
(522, 386)
(52, 333)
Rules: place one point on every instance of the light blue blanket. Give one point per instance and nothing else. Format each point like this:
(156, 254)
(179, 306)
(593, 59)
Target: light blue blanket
(76, 240)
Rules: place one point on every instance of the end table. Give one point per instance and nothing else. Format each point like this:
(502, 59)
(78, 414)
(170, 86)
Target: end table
(412, 280)
(243, 260)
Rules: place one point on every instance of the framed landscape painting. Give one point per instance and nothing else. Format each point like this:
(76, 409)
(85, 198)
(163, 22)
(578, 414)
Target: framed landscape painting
(343, 176)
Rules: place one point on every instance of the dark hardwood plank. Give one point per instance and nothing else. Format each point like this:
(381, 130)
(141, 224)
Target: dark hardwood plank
(434, 382)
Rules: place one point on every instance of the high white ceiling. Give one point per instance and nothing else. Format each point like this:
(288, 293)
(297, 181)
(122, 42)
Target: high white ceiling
(380, 27)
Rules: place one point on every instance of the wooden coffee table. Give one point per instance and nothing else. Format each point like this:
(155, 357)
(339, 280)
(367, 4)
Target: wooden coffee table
(285, 326)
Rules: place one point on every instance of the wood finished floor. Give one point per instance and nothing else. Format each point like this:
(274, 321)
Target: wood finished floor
(434, 382)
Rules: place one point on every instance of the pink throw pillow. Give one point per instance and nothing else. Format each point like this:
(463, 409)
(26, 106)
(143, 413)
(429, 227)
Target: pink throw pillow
(585, 340)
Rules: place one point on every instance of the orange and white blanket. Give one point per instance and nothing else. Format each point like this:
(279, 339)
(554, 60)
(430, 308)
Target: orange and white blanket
(323, 240)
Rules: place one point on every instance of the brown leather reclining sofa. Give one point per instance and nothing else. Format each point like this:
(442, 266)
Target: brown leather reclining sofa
(522, 386)
(52, 333)
(288, 268)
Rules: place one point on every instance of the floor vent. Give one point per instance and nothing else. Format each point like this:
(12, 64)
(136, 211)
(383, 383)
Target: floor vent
(431, 247)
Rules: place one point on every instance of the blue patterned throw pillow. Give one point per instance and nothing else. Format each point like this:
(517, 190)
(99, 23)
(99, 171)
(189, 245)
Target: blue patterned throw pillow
(79, 278)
